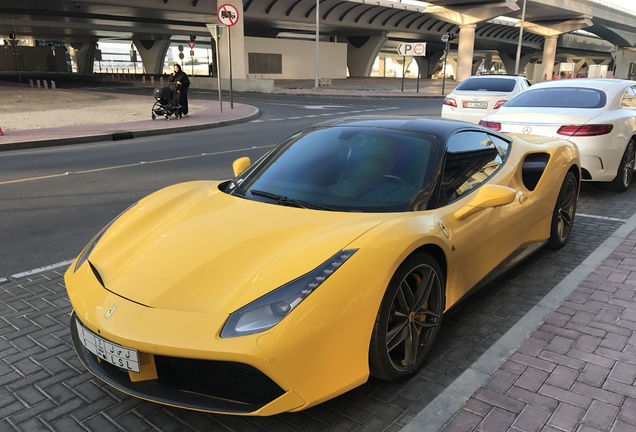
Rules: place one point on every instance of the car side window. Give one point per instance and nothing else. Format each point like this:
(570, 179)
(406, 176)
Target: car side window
(629, 98)
(472, 157)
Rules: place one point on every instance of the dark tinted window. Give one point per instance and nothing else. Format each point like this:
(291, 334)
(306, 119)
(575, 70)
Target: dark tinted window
(559, 97)
(471, 159)
(487, 84)
(346, 169)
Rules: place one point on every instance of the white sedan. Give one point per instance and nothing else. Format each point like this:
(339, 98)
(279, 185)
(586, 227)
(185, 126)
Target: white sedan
(598, 115)
(479, 95)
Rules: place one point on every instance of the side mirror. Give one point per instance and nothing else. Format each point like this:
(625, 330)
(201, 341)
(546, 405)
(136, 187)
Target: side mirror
(486, 197)
(240, 165)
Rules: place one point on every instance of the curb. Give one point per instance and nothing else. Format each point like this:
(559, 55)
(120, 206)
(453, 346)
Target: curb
(444, 406)
(117, 135)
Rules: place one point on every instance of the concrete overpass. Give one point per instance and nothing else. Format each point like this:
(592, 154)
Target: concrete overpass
(365, 28)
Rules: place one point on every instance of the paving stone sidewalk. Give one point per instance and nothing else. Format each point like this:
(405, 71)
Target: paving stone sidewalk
(576, 372)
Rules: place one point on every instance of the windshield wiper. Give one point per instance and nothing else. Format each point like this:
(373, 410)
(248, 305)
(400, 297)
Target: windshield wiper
(283, 200)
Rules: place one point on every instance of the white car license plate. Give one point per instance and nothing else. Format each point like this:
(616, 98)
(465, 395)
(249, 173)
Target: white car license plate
(479, 105)
(122, 357)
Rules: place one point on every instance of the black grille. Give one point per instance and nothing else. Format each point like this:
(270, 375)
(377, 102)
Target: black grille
(118, 136)
(228, 380)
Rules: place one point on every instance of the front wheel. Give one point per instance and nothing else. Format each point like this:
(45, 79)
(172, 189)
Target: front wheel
(625, 169)
(564, 211)
(409, 318)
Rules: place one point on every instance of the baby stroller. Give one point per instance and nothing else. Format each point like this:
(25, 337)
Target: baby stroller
(166, 102)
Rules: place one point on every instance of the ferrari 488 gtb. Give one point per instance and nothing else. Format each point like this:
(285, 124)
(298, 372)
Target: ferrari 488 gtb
(329, 259)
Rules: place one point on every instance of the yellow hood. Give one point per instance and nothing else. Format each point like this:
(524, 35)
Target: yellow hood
(191, 247)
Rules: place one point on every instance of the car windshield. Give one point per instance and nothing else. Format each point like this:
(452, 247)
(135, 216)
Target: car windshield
(345, 168)
(487, 84)
(559, 97)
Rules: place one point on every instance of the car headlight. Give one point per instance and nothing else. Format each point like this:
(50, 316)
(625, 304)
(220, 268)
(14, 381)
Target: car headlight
(90, 246)
(267, 311)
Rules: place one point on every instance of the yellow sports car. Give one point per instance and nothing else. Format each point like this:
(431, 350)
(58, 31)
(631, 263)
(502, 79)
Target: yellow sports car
(329, 259)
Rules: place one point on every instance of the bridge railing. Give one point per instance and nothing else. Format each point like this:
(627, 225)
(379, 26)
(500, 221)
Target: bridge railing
(615, 6)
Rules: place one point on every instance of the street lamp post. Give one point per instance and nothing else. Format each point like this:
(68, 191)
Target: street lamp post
(523, 20)
(446, 38)
(317, 42)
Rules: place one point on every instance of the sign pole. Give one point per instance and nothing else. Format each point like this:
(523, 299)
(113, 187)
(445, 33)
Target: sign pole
(228, 14)
(215, 31)
(419, 74)
(403, 71)
(229, 56)
(218, 66)
(444, 67)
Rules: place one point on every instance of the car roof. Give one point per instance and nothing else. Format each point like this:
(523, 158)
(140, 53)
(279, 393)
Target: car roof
(442, 129)
(487, 76)
(593, 83)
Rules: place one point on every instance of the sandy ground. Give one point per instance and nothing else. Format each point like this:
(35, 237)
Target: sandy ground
(39, 109)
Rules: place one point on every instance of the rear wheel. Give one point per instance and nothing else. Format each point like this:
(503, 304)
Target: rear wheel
(625, 169)
(564, 211)
(409, 318)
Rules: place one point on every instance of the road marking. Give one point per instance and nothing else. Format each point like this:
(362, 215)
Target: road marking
(39, 270)
(158, 161)
(607, 218)
(339, 113)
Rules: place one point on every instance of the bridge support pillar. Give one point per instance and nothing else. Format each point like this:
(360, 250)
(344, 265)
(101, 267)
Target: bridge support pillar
(549, 54)
(361, 53)
(625, 63)
(83, 56)
(465, 51)
(453, 64)
(509, 59)
(427, 65)
(152, 52)
(578, 65)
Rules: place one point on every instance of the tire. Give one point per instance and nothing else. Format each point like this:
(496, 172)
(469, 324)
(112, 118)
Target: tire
(625, 169)
(409, 318)
(564, 211)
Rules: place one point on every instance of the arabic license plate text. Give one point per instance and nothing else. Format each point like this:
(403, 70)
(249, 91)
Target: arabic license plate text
(122, 357)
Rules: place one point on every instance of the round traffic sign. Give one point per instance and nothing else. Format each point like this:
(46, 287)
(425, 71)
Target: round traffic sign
(181, 55)
(419, 49)
(228, 14)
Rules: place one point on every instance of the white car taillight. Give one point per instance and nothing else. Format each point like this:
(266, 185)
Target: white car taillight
(500, 103)
(585, 130)
(450, 102)
(496, 126)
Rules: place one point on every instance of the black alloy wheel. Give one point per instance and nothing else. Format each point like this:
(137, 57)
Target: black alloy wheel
(564, 211)
(409, 318)
(625, 169)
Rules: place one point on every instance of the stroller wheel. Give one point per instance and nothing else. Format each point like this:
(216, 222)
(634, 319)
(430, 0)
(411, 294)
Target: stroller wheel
(153, 116)
(167, 117)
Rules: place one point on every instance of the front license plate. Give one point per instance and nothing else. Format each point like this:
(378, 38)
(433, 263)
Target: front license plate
(478, 105)
(122, 357)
